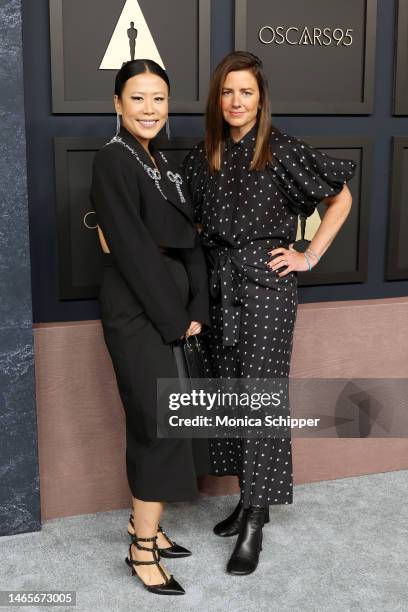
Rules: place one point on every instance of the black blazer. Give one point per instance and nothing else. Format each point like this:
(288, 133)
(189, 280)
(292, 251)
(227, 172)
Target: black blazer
(136, 217)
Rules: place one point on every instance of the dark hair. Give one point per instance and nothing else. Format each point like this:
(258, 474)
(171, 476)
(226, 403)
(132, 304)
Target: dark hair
(138, 66)
(216, 126)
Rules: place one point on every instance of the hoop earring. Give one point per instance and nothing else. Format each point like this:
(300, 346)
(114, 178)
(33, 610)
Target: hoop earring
(168, 128)
(117, 124)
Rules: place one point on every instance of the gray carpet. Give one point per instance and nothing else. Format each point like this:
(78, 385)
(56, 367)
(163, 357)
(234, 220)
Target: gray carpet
(341, 546)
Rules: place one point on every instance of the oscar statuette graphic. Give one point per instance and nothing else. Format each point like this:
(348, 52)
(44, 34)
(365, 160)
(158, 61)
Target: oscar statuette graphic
(129, 43)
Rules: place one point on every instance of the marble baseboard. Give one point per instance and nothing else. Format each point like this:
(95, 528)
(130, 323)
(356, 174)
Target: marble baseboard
(19, 476)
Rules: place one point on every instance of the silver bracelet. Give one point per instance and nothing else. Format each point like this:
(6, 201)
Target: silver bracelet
(313, 253)
(308, 262)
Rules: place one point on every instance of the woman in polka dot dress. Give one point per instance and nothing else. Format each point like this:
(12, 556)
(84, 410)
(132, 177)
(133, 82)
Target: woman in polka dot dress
(249, 182)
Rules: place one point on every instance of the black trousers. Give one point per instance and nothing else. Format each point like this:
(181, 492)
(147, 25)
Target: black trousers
(158, 469)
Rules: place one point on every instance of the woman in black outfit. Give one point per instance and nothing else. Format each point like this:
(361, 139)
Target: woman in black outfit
(154, 292)
(249, 183)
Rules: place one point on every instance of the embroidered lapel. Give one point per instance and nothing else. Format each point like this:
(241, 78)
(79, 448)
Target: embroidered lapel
(171, 185)
(174, 185)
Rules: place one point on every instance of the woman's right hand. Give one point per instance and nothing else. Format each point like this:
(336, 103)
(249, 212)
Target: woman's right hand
(194, 329)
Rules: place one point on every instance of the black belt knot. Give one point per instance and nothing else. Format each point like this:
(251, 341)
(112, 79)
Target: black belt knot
(226, 281)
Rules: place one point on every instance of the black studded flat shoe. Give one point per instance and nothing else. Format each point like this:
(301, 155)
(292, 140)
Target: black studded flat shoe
(230, 526)
(170, 586)
(174, 551)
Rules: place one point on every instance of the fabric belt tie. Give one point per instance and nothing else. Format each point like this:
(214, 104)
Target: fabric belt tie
(232, 267)
(226, 280)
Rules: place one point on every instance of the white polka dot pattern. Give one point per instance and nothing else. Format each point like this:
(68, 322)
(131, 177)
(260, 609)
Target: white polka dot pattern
(306, 174)
(244, 215)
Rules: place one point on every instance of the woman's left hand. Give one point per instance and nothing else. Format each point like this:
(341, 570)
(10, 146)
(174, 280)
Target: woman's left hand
(194, 329)
(295, 261)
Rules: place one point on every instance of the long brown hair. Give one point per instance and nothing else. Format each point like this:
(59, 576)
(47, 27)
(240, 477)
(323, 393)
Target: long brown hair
(217, 128)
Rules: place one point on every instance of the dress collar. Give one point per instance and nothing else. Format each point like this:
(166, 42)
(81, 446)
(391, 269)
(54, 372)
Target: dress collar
(246, 142)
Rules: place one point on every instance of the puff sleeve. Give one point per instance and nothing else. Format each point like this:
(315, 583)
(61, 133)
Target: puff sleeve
(116, 200)
(305, 174)
(195, 170)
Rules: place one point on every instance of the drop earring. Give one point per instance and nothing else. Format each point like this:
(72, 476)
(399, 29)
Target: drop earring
(168, 128)
(117, 124)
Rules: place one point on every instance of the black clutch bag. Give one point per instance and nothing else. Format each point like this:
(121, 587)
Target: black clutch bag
(189, 354)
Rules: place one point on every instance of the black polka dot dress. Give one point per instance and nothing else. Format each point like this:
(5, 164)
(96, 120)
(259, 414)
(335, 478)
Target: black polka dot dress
(245, 214)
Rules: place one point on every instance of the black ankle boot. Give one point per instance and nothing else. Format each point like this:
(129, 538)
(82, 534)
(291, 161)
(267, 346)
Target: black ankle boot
(230, 526)
(245, 557)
